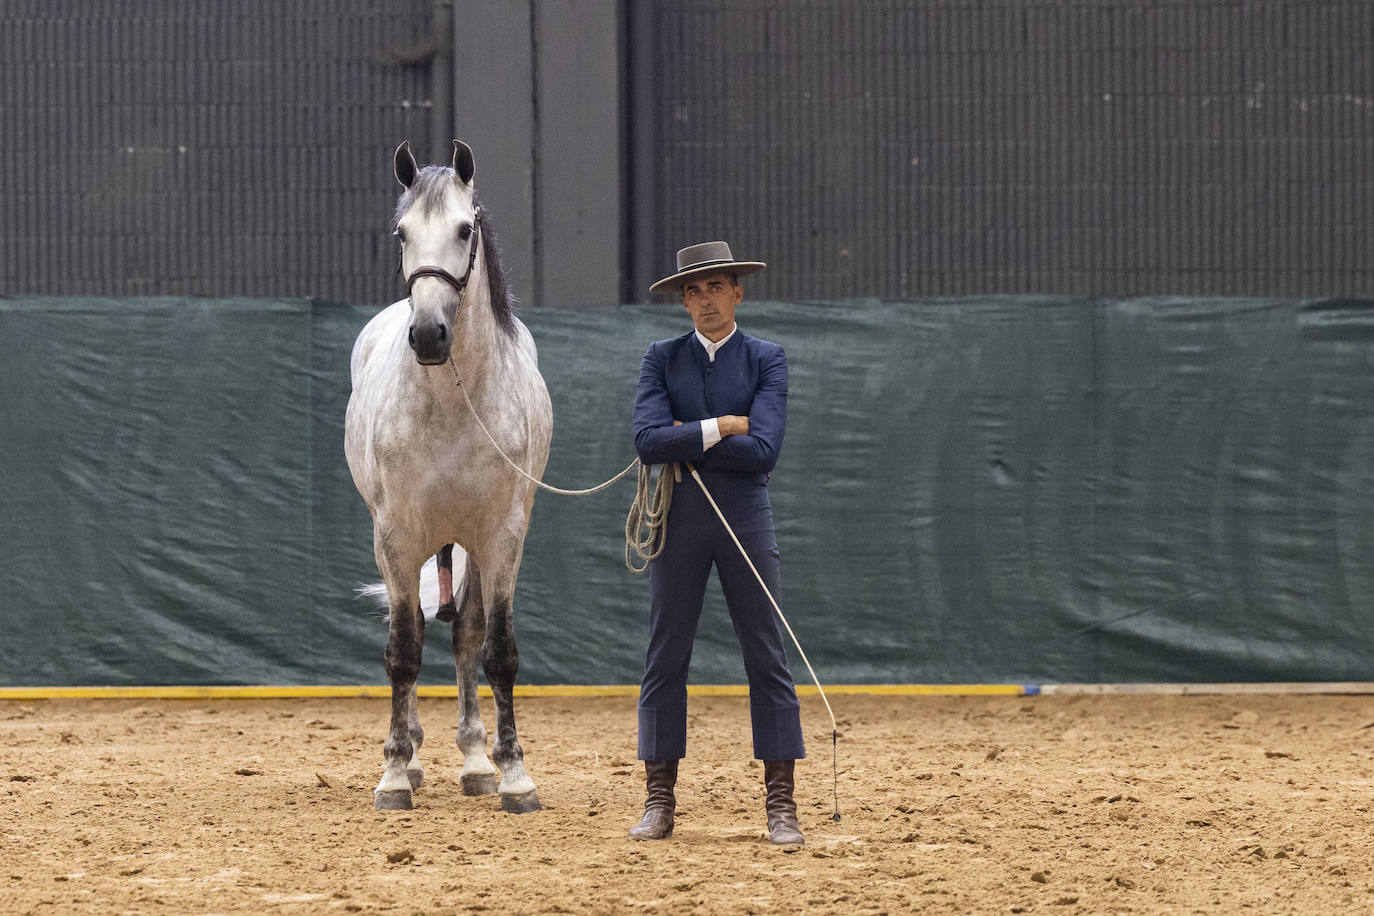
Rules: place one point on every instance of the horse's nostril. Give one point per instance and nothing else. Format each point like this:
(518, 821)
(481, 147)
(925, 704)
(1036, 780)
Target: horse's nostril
(429, 339)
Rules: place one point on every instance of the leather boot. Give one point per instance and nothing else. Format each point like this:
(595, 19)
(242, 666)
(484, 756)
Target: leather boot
(783, 827)
(659, 776)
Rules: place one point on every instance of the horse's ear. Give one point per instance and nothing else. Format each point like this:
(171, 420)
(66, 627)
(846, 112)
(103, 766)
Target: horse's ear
(464, 166)
(404, 164)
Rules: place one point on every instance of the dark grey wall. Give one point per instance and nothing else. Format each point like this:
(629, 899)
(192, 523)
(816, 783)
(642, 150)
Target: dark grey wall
(977, 146)
(156, 147)
(894, 149)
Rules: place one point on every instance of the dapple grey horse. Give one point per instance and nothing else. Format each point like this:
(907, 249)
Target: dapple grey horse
(432, 476)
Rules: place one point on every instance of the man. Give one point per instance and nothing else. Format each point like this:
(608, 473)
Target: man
(717, 398)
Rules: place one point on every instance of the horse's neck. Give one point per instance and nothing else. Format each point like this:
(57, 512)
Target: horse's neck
(480, 347)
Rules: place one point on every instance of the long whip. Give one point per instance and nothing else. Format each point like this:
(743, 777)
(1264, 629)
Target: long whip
(834, 727)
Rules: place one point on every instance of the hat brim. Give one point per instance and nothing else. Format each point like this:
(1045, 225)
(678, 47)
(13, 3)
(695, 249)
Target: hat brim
(738, 268)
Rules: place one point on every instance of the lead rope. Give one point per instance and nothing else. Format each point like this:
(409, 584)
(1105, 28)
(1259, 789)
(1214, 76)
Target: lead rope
(652, 512)
(521, 471)
(834, 727)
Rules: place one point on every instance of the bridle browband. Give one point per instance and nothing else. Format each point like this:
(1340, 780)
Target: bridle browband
(459, 284)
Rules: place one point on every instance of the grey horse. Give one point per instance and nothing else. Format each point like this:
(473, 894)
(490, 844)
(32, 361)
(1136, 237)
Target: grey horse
(431, 473)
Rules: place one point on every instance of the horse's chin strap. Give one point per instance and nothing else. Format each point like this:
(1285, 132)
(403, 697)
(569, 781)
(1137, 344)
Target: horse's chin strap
(459, 284)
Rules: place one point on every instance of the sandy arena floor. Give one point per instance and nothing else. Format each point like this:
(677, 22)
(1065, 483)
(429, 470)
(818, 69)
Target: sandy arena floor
(1135, 804)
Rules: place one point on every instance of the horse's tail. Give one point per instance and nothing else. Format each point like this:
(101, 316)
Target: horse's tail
(429, 584)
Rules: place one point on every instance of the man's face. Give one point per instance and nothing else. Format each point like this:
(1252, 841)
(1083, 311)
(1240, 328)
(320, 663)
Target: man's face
(711, 301)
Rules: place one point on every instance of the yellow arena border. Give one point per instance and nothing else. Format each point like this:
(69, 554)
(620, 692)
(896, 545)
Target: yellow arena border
(521, 690)
(269, 692)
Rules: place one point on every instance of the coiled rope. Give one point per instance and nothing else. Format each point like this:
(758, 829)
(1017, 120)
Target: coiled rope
(646, 527)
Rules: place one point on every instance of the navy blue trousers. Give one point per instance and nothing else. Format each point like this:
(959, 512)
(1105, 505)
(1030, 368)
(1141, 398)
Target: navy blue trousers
(697, 541)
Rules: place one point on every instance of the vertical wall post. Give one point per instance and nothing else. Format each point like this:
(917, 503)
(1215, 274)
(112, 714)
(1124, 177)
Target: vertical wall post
(493, 92)
(578, 152)
(642, 252)
(441, 77)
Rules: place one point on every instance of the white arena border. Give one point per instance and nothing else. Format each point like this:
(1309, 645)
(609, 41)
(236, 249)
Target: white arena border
(1188, 689)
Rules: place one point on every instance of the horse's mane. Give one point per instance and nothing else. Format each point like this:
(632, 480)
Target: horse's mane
(428, 192)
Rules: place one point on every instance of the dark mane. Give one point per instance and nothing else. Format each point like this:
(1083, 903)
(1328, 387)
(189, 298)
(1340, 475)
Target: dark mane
(502, 304)
(427, 191)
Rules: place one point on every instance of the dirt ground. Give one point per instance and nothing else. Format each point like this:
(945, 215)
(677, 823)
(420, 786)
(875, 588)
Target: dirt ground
(1049, 804)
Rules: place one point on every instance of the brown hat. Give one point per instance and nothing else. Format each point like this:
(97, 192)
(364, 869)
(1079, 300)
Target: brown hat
(705, 258)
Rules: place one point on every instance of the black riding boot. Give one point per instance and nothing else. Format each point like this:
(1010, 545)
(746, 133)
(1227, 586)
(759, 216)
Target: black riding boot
(659, 776)
(783, 827)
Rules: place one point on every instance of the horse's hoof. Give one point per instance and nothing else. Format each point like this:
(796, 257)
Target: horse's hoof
(448, 612)
(392, 800)
(480, 783)
(523, 803)
(416, 777)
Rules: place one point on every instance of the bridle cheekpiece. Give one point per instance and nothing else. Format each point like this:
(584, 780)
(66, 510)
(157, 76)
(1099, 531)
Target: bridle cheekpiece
(459, 284)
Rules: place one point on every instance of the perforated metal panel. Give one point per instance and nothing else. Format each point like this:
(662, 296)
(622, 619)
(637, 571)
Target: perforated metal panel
(900, 148)
(986, 146)
(169, 147)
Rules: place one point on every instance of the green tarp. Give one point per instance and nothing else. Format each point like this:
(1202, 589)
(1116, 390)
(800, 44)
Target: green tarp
(990, 490)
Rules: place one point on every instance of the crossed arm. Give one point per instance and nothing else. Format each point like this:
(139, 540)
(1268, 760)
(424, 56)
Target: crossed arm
(728, 425)
(748, 443)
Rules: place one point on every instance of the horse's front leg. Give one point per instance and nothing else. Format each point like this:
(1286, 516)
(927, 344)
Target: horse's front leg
(415, 773)
(478, 777)
(500, 661)
(402, 773)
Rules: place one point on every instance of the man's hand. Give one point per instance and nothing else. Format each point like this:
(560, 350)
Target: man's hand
(728, 425)
(732, 426)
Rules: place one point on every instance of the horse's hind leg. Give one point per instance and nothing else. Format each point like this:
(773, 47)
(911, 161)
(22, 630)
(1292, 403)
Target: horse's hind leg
(478, 777)
(500, 660)
(403, 649)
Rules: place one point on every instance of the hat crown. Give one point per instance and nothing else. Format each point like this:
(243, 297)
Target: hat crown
(705, 258)
(703, 254)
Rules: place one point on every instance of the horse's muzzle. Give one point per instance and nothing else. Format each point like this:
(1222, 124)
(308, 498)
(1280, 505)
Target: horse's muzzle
(430, 341)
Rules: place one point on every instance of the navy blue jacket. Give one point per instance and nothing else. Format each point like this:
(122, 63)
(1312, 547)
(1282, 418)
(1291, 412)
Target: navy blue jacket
(678, 381)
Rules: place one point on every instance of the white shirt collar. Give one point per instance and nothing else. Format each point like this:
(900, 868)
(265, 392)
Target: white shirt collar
(711, 348)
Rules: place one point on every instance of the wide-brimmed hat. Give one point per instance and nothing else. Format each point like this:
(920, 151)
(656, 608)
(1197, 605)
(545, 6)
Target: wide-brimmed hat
(706, 258)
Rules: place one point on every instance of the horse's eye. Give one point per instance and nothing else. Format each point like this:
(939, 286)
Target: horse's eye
(400, 235)
(465, 233)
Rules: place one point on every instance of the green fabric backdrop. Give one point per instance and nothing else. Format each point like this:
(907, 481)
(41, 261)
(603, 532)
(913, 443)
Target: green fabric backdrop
(991, 490)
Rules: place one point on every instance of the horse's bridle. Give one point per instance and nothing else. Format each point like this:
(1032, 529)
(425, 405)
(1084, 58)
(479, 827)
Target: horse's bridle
(458, 283)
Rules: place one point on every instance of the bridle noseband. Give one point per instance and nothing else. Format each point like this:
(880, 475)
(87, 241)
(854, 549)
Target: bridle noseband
(459, 284)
